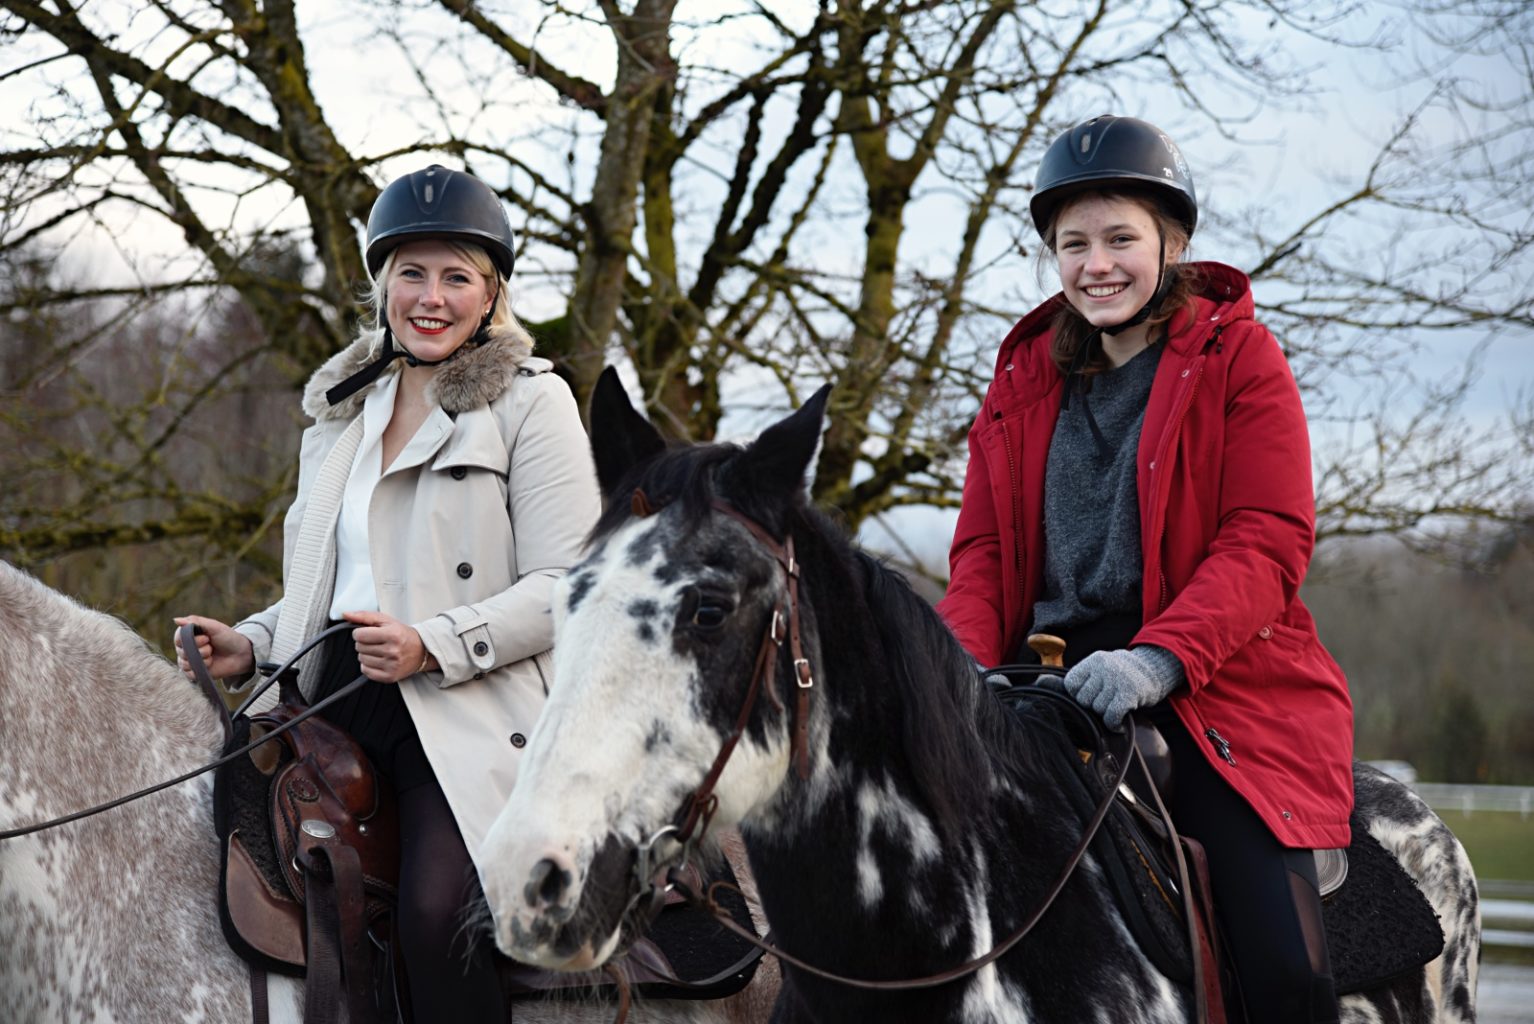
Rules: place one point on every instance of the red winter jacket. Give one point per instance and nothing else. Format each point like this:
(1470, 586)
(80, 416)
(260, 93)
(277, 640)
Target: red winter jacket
(1227, 524)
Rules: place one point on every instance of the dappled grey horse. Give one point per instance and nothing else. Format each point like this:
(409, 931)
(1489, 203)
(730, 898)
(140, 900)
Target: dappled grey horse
(900, 822)
(115, 917)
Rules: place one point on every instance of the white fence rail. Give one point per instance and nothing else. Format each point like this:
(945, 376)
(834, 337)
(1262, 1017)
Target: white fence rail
(1507, 907)
(1448, 796)
(1507, 923)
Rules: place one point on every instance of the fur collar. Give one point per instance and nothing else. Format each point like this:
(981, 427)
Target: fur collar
(477, 377)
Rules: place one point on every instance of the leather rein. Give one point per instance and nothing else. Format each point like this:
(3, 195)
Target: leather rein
(195, 659)
(700, 805)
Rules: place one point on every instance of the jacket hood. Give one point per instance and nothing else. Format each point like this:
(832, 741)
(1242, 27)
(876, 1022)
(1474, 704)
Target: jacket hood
(478, 376)
(1225, 295)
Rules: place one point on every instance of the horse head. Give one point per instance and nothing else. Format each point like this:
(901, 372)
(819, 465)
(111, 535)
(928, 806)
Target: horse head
(658, 632)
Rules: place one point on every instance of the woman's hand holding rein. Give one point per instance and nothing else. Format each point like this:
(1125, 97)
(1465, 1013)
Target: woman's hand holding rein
(227, 654)
(387, 649)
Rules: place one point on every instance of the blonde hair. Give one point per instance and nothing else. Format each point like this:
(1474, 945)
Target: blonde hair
(504, 324)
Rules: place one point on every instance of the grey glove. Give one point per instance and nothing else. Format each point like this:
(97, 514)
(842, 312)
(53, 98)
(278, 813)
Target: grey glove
(1114, 683)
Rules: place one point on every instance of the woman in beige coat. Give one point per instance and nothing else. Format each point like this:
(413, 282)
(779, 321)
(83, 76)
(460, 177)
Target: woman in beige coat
(438, 501)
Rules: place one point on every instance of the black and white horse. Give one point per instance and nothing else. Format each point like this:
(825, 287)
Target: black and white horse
(927, 826)
(115, 917)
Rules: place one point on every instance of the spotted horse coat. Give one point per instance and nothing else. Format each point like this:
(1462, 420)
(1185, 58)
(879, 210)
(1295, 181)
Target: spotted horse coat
(114, 918)
(928, 825)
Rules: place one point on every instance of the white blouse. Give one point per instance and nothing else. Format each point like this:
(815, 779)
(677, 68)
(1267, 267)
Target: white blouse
(355, 590)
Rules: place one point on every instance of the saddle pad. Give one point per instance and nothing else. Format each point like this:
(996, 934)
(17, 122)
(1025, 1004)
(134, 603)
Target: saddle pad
(241, 819)
(242, 801)
(702, 952)
(1144, 886)
(1379, 925)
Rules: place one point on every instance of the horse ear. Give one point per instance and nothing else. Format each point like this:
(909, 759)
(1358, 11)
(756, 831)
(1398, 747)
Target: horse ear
(620, 438)
(777, 461)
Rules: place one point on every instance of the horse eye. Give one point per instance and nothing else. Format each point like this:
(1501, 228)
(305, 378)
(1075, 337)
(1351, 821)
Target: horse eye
(710, 613)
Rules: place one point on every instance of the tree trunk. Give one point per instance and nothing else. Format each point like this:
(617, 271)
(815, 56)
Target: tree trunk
(644, 66)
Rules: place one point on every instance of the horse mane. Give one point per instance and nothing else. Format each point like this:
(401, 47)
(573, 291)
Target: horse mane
(950, 729)
(92, 665)
(952, 732)
(681, 473)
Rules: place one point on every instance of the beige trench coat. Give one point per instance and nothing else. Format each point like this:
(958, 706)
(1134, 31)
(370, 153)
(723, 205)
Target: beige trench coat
(467, 535)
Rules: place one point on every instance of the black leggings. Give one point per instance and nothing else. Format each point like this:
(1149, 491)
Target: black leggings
(450, 977)
(1266, 895)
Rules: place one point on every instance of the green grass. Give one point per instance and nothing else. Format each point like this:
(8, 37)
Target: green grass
(1500, 844)
(1501, 848)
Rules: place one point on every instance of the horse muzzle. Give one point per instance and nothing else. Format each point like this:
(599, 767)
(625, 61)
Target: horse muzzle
(557, 916)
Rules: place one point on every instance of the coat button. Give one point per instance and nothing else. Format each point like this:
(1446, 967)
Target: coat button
(459, 472)
(519, 741)
(481, 648)
(465, 570)
(1009, 367)
(1185, 373)
(1287, 816)
(1266, 632)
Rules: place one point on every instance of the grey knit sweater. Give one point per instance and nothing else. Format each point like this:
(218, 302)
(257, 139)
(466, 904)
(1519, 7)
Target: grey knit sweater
(1092, 561)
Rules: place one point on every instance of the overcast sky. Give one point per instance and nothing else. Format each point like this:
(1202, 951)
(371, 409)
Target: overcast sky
(1282, 164)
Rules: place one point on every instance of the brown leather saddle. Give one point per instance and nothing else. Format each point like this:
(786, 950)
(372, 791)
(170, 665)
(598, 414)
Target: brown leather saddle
(310, 874)
(310, 860)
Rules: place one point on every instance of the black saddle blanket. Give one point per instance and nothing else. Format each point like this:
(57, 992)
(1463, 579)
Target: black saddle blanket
(1379, 925)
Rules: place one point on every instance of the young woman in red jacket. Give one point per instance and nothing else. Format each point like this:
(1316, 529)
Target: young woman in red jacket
(1140, 483)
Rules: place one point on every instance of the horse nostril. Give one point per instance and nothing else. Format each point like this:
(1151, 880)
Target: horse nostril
(546, 884)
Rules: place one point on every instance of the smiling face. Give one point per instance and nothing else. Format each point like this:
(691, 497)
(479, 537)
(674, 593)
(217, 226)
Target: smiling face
(1109, 254)
(435, 299)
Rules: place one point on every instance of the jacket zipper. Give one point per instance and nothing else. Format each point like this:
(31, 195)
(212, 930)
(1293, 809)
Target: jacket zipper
(1017, 515)
(1182, 413)
(1221, 747)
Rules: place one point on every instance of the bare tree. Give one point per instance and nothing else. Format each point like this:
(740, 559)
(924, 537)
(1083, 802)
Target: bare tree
(736, 202)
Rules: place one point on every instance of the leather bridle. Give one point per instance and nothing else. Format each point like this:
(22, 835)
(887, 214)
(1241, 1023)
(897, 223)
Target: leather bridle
(700, 805)
(698, 808)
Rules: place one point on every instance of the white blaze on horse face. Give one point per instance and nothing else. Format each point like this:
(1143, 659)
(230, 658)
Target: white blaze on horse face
(620, 743)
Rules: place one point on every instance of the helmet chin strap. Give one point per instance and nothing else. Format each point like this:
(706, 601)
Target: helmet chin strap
(1073, 379)
(1163, 286)
(372, 371)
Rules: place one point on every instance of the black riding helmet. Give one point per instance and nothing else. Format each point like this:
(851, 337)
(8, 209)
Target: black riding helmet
(438, 202)
(434, 203)
(1111, 151)
(1108, 153)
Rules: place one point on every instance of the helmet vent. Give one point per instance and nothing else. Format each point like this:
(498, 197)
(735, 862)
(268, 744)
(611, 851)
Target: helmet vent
(1109, 153)
(436, 202)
